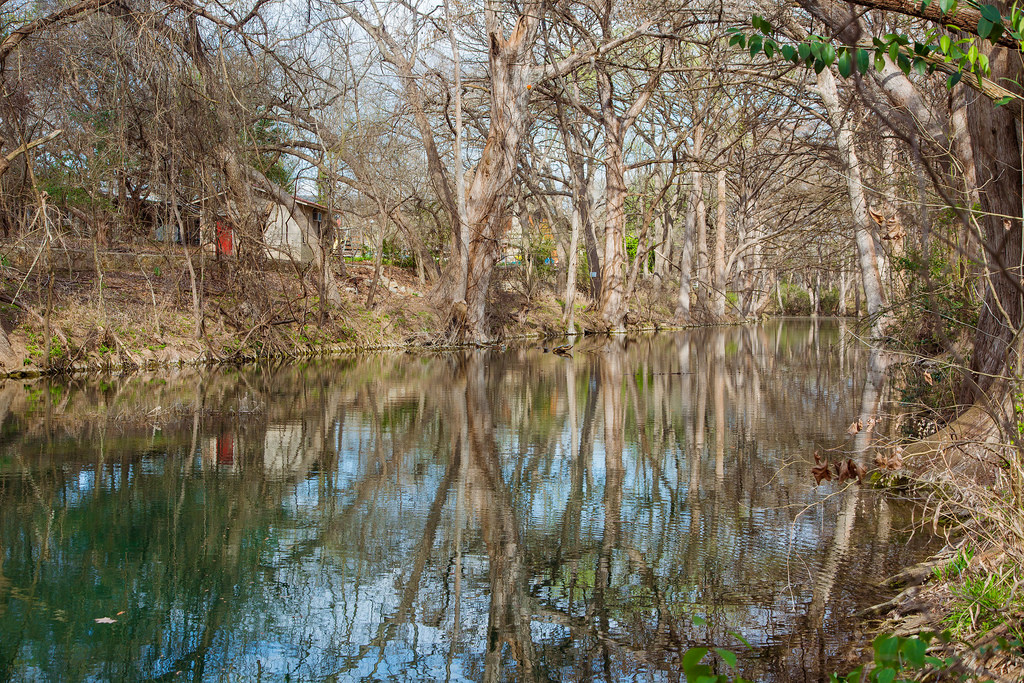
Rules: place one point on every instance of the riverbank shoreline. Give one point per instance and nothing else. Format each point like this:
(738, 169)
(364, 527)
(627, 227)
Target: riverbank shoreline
(123, 322)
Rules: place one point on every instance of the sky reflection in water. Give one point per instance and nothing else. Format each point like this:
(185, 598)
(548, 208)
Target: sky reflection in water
(486, 515)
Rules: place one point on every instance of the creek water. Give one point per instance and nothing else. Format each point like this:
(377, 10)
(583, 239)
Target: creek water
(488, 514)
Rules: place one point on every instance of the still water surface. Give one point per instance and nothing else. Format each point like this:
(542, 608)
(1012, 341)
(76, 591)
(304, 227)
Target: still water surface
(493, 514)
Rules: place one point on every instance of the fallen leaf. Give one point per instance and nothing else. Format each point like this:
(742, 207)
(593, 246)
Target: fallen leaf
(120, 613)
(105, 620)
(871, 424)
(855, 427)
(928, 379)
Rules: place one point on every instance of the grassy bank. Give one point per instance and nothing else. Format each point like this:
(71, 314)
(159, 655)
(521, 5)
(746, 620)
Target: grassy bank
(153, 316)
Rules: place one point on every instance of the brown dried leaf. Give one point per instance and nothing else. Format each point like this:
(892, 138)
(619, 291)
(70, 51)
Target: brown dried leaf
(892, 461)
(821, 473)
(928, 379)
(855, 427)
(850, 470)
(871, 424)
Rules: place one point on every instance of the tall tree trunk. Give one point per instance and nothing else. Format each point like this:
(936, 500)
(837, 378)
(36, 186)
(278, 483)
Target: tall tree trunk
(697, 180)
(721, 215)
(843, 128)
(682, 312)
(511, 70)
(612, 283)
(569, 315)
(997, 158)
(462, 231)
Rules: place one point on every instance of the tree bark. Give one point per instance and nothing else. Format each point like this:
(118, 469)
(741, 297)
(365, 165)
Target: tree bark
(843, 129)
(682, 312)
(721, 216)
(511, 68)
(613, 289)
(997, 157)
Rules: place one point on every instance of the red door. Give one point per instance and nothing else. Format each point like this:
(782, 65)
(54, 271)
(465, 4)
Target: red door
(225, 243)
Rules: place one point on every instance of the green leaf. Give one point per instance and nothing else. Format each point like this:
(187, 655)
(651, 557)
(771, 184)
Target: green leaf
(828, 54)
(699, 621)
(885, 675)
(953, 79)
(863, 61)
(754, 45)
(1004, 101)
(946, 5)
(894, 52)
(819, 66)
(805, 51)
(738, 39)
(755, 21)
(903, 63)
(693, 656)
(727, 656)
(788, 52)
(945, 42)
(913, 650)
(924, 4)
(766, 27)
(886, 649)
(769, 48)
(844, 63)
(691, 663)
(739, 637)
(991, 13)
(879, 60)
(920, 66)
(985, 27)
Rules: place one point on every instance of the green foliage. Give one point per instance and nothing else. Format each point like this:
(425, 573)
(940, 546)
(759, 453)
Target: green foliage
(816, 52)
(795, 300)
(394, 255)
(897, 659)
(272, 164)
(542, 256)
(938, 305)
(957, 566)
(983, 600)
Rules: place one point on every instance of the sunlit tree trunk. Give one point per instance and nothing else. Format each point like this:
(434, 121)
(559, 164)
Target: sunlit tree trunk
(613, 283)
(842, 126)
(721, 216)
(682, 312)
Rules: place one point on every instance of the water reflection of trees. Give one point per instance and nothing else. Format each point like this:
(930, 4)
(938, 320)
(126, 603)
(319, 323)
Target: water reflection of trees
(483, 515)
